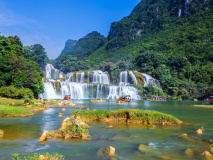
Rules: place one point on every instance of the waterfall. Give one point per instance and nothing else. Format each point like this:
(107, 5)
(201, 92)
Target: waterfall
(80, 77)
(50, 92)
(49, 68)
(118, 91)
(100, 77)
(123, 78)
(98, 87)
(52, 73)
(97, 94)
(88, 77)
(132, 75)
(149, 80)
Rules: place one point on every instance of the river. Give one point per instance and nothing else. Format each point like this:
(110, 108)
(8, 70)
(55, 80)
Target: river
(22, 134)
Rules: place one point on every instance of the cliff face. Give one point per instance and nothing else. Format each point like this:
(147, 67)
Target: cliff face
(69, 46)
(151, 16)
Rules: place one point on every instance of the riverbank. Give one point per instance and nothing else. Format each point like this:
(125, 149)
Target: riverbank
(127, 116)
(19, 111)
(17, 107)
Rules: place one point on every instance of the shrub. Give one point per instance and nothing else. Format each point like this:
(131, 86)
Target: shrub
(13, 92)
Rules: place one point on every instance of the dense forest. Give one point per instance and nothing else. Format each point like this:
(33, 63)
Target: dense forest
(21, 68)
(170, 40)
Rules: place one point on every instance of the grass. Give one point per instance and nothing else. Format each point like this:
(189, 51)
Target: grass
(7, 110)
(74, 129)
(10, 101)
(46, 156)
(131, 114)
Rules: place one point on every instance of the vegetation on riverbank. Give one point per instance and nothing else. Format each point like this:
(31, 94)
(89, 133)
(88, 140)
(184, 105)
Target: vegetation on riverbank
(36, 156)
(20, 107)
(21, 68)
(68, 130)
(14, 111)
(127, 115)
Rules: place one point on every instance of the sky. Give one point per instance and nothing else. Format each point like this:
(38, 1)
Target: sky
(52, 22)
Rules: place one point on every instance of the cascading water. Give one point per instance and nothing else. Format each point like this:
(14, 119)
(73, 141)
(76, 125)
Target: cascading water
(52, 73)
(123, 89)
(132, 75)
(97, 86)
(100, 77)
(149, 80)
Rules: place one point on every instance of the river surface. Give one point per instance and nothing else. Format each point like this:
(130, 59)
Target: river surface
(22, 134)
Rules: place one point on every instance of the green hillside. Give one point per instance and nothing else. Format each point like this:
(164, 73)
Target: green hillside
(155, 25)
(172, 40)
(87, 45)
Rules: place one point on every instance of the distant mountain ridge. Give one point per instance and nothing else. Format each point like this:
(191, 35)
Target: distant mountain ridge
(69, 46)
(85, 46)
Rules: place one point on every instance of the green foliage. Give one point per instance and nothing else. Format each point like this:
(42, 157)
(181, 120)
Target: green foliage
(13, 111)
(15, 69)
(13, 92)
(87, 45)
(48, 156)
(154, 39)
(68, 62)
(211, 148)
(73, 129)
(132, 114)
(36, 53)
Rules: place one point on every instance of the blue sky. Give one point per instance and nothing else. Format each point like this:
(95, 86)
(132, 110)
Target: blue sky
(52, 22)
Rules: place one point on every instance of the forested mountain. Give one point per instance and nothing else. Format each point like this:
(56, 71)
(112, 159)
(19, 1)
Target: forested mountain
(172, 40)
(84, 47)
(162, 26)
(87, 45)
(69, 45)
(20, 73)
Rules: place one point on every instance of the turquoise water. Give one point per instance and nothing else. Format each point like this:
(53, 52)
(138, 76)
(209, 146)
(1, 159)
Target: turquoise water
(22, 134)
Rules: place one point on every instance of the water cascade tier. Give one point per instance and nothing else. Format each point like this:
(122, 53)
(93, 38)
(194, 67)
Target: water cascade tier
(90, 85)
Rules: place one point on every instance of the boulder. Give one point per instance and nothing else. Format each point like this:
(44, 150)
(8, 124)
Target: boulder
(189, 152)
(109, 127)
(43, 136)
(1, 133)
(64, 123)
(207, 155)
(60, 104)
(143, 148)
(164, 158)
(60, 115)
(71, 104)
(63, 109)
(68, 136)
(111, 150)
(84, 136)
(199, 131)
(88, 109)
(106, 153)
(183, 135)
